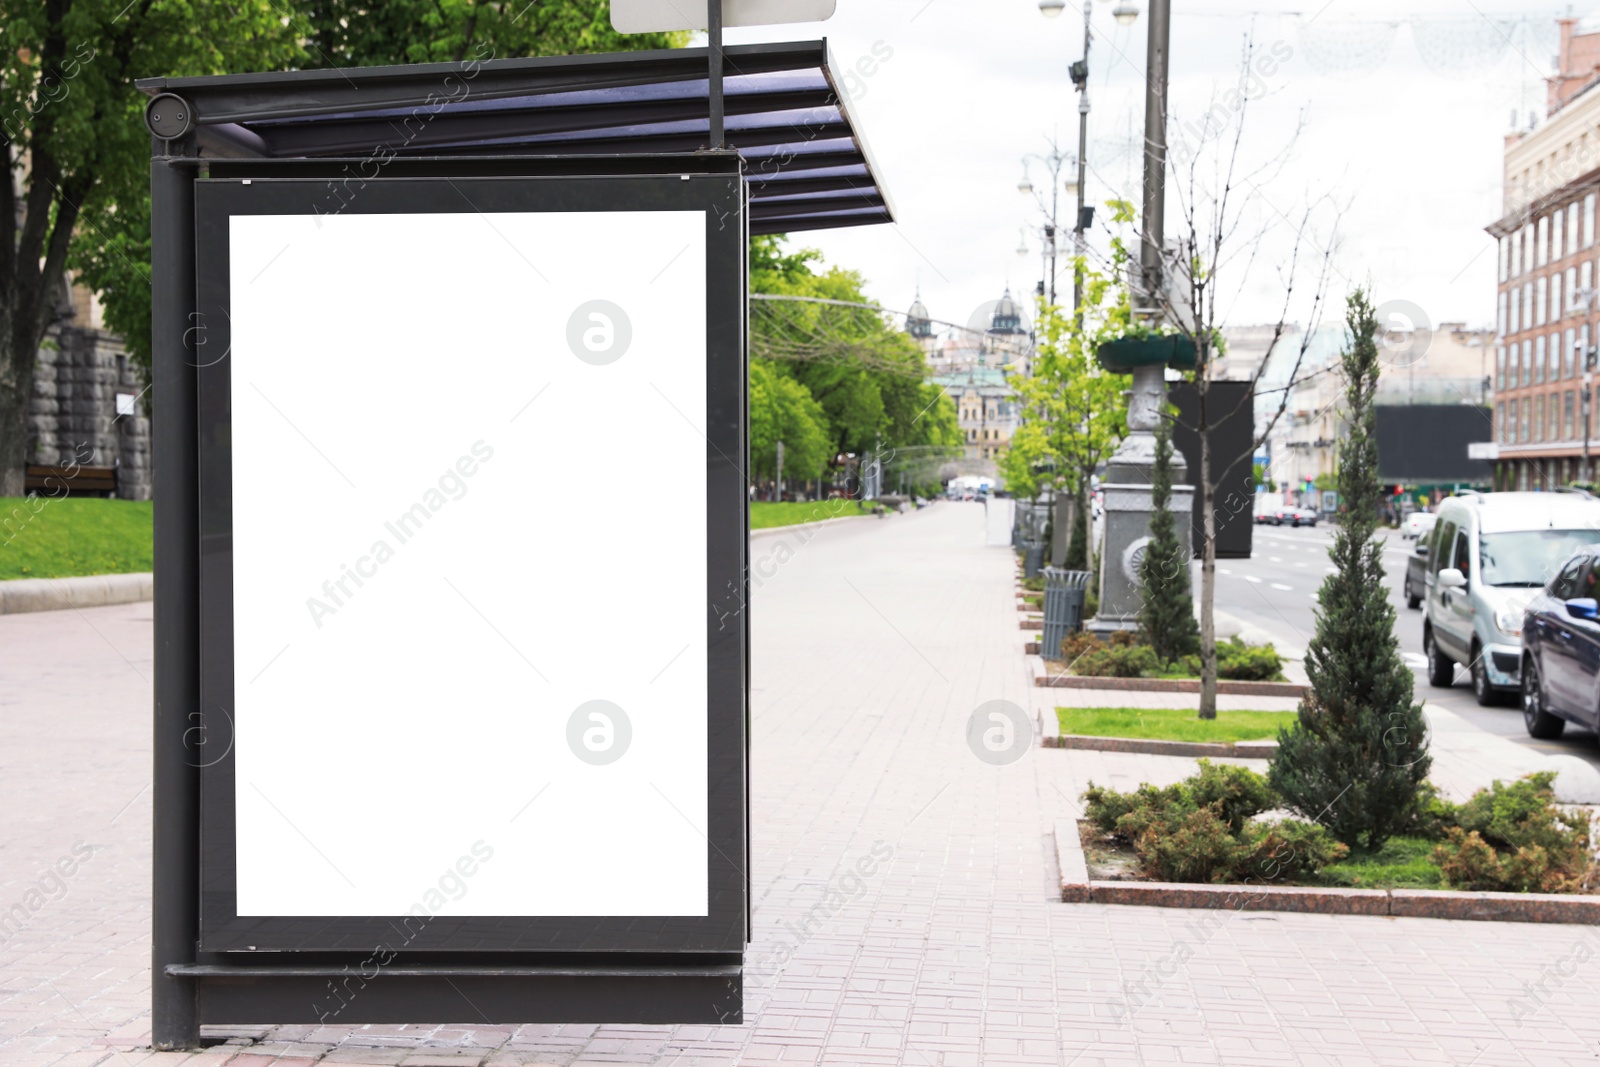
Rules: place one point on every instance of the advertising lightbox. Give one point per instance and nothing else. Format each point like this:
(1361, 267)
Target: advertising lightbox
(470, 481)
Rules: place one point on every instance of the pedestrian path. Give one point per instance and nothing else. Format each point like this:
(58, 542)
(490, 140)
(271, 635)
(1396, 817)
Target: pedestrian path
(874, 645)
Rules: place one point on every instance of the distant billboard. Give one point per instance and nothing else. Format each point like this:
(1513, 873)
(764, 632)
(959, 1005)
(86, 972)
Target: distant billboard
(1429, 444)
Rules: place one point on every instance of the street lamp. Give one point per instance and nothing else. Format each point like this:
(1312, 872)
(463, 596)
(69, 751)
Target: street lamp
(1125, 12)
(1025, 186)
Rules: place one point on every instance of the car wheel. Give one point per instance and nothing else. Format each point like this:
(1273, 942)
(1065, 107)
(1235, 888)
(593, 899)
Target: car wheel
(1413, 601)
(1441, 669)
(1481, 689)
(1540, 723)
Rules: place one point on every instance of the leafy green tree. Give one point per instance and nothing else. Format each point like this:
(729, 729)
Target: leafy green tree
(1166, 606)
(1359, 753)
(781, 409)
(1074, 413)
(78, 154)
(869, 377)
(76, 146)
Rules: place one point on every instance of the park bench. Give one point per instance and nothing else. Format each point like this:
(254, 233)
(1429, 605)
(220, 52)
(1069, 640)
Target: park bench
(47, 479)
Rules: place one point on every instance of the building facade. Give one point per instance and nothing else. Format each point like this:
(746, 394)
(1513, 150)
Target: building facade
(971, 367)
(88, 406)
(1549, 268)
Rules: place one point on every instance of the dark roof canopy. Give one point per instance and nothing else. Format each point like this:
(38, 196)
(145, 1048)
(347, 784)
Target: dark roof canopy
(807, 165)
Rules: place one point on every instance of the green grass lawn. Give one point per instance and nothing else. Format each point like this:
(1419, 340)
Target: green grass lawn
(43, 538)
(766, 514)
(1402, 863)
(1173, 724)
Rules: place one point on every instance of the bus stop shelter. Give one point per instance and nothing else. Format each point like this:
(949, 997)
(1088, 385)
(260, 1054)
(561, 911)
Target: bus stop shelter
(435, 741)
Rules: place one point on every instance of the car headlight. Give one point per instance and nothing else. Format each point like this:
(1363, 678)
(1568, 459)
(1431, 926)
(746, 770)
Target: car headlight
(1510, 622)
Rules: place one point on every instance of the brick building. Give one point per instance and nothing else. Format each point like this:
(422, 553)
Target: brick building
(1549, 271)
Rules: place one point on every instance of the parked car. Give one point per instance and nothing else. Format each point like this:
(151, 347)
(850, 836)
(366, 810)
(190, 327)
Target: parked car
(1416, 575)
(1418, 525)
(1487, 557)
(1288, 515)
(1561, 649)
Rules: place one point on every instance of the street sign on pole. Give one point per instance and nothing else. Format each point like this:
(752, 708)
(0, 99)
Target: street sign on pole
(664, 16)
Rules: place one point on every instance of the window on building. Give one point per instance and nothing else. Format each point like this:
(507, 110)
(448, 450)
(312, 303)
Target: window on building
(1527, 363)
(1541, 248)
(1540, 294)
(1527, 305)
(1538, 359)
(1569, 359)
(1555, 296)
(1567, 401)
(1583, 345)
(1500, 367)
(1511, 422)
(1555, 235)
(1527, 247)
(1572, 227)
(1515, 240)
(1538, 418)
(1585, 275)
(1588, 220)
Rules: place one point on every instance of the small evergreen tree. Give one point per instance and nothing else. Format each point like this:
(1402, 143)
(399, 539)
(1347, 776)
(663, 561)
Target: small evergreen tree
(1078, 536)
(1359, 753)
(1166, 607)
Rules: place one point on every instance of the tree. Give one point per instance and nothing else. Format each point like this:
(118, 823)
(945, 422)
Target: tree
(77, 148)
(1204, 270)
(77, 154)
(868, 376)
(1074, 413)
(781, 409)
(1166, 609)
(1359, 753)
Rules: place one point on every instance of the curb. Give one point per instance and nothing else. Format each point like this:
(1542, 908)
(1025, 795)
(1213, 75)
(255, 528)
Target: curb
(55, 594)
(772, 531)
(1173, 685)
(1077, 888)
(1237, 749)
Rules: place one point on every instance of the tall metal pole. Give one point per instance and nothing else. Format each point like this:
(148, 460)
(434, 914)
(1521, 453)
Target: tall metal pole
(1083, 148)
(1149, 383)
(714, 85)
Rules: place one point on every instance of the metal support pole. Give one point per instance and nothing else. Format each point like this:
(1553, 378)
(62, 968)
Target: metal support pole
(1078, 242)
(714, 88)
(1155, 148)
(175, 908)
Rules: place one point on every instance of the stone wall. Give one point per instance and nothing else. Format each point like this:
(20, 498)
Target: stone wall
(80, 372)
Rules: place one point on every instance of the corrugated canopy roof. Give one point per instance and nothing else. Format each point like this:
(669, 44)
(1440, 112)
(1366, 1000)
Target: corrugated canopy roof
(807, 165)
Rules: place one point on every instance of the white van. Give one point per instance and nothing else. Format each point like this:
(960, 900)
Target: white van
(1489, 553)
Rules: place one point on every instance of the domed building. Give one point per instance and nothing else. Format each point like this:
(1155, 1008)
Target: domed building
(918, 324)
(970, 365)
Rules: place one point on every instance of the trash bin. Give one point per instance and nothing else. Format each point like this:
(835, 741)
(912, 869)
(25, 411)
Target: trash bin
(1032, 558)
(1064, 591)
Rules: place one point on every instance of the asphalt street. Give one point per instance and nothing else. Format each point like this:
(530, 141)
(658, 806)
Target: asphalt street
(1275, 592)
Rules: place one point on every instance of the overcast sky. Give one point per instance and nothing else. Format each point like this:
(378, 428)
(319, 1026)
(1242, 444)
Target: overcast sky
(1406, 105)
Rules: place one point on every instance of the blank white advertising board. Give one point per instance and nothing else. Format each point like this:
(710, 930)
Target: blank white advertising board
(469, 577)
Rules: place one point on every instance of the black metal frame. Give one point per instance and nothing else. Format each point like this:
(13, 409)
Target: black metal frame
(794, 162)
(504, 970)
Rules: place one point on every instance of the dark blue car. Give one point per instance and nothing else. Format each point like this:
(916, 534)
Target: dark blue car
(1561, 649)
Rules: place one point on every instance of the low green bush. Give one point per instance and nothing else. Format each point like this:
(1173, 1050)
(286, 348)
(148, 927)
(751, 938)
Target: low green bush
(1121, 656)
(1200, 829)
(1512, 838)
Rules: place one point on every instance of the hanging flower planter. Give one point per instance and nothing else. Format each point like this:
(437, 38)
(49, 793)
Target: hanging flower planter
(1130, 353)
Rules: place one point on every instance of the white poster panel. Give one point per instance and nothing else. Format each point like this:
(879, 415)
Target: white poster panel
(664, 16)
(470, 563)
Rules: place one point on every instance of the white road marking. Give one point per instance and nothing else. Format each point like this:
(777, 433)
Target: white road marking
(1275, 559)
(1252, 578)
(1332, 570)
(1223, 570)
(1299, 563)
(1415, 660)
(1285, 588)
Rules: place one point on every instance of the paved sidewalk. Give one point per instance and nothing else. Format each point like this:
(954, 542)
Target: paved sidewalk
(874, 644)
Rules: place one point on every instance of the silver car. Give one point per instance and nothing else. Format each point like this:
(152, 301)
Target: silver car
(1489, 555)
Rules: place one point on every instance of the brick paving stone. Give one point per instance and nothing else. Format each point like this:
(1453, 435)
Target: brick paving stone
(873, 645)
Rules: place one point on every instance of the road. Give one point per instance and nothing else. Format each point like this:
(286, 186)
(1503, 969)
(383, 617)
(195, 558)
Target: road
(1275, 591)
